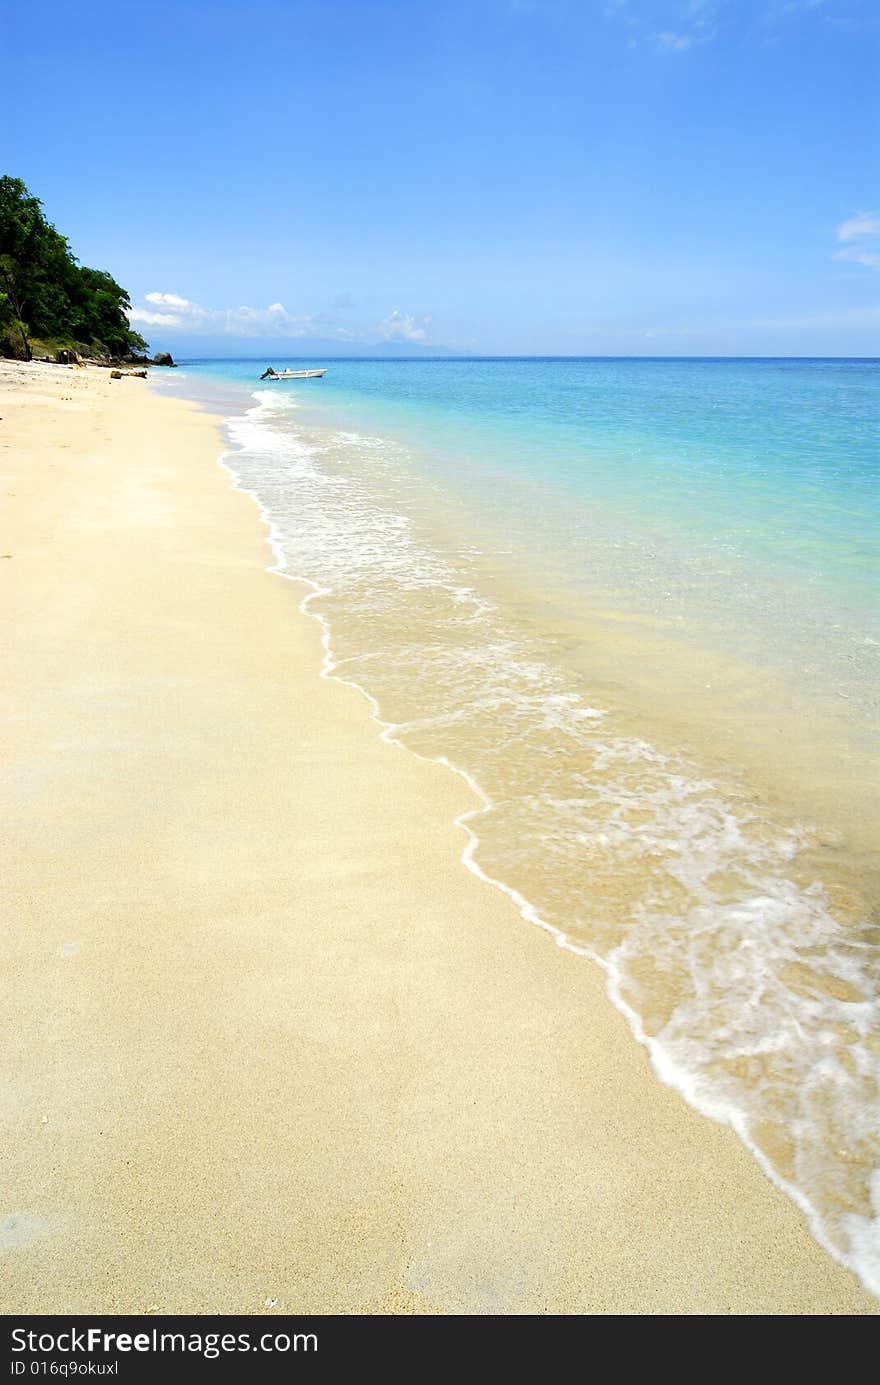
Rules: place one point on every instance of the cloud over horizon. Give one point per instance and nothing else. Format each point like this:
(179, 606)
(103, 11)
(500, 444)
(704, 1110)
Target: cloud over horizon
(398, 326)
(175, 313)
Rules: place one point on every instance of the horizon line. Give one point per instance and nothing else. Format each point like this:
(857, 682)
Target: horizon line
(536, 356)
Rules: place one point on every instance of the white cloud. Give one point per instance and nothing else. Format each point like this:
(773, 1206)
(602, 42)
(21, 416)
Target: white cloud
(862, 224)
(148, 319)
(686, 23)
(273, 321)
(673, 43)
(864, 230)
(398, 326)
(856, 256)
(676, 26)
(169, 300)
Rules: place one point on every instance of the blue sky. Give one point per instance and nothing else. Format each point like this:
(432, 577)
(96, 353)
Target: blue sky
(625, 177)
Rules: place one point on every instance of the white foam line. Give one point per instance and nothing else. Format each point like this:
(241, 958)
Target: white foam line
(665, 1068)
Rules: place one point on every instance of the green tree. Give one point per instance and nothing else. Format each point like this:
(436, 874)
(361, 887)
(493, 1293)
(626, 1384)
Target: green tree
(100, 311)
(45, 292)
(12, 304)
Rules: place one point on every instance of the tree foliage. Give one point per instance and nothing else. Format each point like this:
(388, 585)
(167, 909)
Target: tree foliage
(45, 292)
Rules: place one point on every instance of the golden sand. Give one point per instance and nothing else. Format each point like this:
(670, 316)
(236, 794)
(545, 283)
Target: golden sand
(269, 1047)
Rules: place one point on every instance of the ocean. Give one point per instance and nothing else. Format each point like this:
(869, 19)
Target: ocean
(634, 604)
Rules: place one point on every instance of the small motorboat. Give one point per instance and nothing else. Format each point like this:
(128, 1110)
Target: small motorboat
(270, 374)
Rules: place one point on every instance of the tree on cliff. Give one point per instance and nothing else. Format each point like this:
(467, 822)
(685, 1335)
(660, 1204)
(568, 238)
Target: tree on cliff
(45, 292)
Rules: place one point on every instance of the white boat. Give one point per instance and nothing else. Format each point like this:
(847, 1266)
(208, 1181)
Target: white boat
(271, 374)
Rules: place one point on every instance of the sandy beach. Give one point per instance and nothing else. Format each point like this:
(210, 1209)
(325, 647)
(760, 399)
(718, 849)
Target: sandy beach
(268, 1046)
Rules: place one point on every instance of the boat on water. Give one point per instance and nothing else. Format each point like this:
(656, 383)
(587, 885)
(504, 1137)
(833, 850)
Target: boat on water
(270, 374)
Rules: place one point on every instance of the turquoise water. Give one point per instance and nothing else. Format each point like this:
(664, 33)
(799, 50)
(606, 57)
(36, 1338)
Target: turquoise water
(773, 460)
(777, 460)
(737, 498)
(634, 603)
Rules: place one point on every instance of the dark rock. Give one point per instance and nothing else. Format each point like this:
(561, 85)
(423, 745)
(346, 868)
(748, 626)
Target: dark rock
(116, 375)
(162, 358)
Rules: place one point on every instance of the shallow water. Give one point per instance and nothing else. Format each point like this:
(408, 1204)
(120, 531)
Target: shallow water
(635, 603)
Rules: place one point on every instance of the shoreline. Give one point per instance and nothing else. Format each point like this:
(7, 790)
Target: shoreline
(720, 703)
(438, 1112)
(796, 1153)
(663, 1064)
